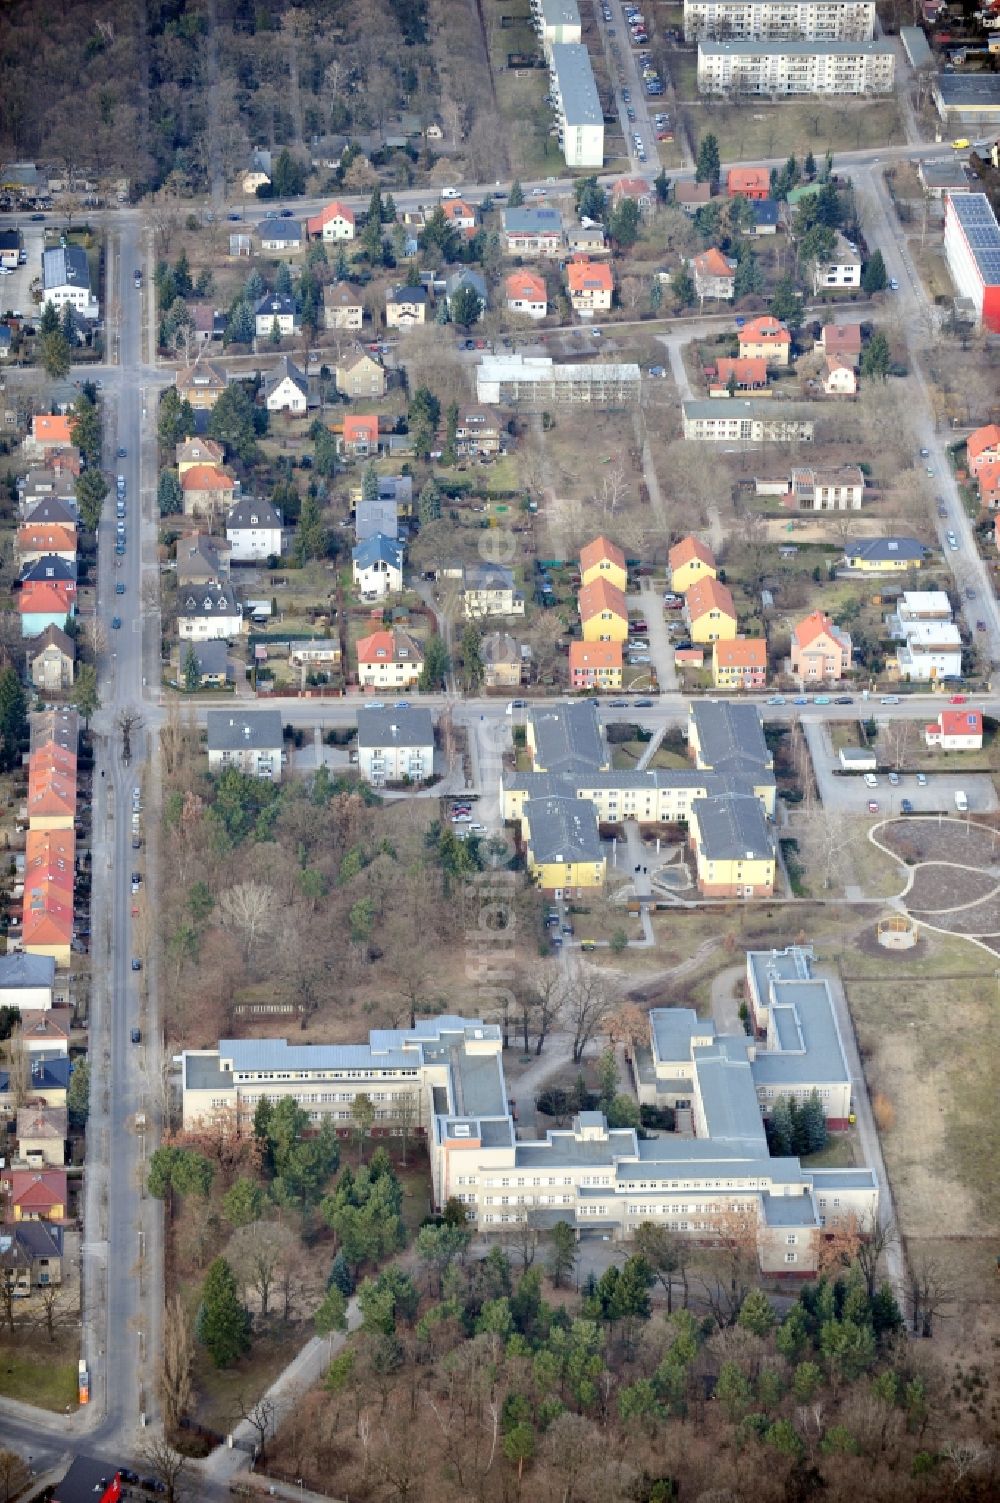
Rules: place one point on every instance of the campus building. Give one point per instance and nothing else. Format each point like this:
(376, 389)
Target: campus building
(972, 249)
(533, 383)
(445, 1077)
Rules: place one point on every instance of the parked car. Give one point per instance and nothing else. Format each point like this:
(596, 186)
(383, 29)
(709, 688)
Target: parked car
(873, 806)
(921, 780)
(871, 781)
(894, 779)
(905, 806)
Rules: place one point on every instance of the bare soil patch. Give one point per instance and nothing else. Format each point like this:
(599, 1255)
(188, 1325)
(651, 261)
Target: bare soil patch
(962, 841)
(938, 887)
(977, 918)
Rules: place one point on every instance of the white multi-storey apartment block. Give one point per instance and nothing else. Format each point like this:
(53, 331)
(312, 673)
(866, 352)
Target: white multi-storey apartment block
(578, 107)
(445, 1077)
(795, 67)
(847, 20)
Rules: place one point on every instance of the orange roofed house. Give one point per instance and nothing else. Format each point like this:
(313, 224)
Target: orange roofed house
(389, 660)
(988, 476)
(690, 560)
(710, 611)
(36, 540)
(526, 294)
(595, 665)
(51, 789)
(602, 559)
(740, 664)
(603, 612)
(335, 222)
(766, 339)
(841, 339)
(744, 375)
(956, 730)
(749, 182)
(207, 489)
(591, 284)
(49, 431)
(983, 453)
(714, 274)
(461, 216)
(36, 1194)
(820, 650)
(360, 436)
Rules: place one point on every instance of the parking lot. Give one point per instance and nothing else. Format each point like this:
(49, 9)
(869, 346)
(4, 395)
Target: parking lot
(15, 290)
(849, 794)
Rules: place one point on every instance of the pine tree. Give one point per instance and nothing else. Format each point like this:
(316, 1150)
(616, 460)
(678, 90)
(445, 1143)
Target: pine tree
(169, 496)
(13, 718)
(873, 278)
(310, 536)
(340, 1276)
(516, 198)
(655, 295)
(437, 665)
(780, 1129)
(429, 504)
(67, 326)
(223, 1324)
(369, 482)
(192, 675)
(682, 286)
(708, 163)
(876, 357)
(812, 1119)
(809, 166)
(49, 321)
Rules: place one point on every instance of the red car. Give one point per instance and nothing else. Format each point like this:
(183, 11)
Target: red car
(958, 699)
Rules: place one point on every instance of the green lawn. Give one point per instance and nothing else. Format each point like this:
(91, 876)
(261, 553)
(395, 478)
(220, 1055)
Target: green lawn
(38, 1374)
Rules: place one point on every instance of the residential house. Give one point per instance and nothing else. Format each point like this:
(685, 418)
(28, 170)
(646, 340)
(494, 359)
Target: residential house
(377, 566)
(884, 555)
(360, 375)
(206, 322)
(49, 430)
(591, 285)
(956, 730)
(576, 105)
(765, 339)
(740, 663)
(201, 384)
(478, 432)
(526, 294)
(853, 20)
(533, 232)
(282, 236)
(690, 561)
(51, 659)
(470, 278)
(376, 515)
(6, 341)
(710, 612)
(49, 511)
(359, 436)
(395, 745)
(742, 420)
(47, 596)
(489, 590)
(26, 981)
(46, 1033)
(207, 490)
(691, 196)
(563, 846)
(343, 306)
(66, 280)
(35, 1194)
(48, 1079)
(461, 216)
(841, 339)
(286, 389)
(31, 1255)
(587, 240)
(276, 308)
(982, 447)
(930, 651)
(714, 274)
(595, 665)
(335, 222)
(839, 377)
(734, 847)
(389, 660)
(603, 612)
(212, 663)
(766, 213)
(821, 650)
(253, 530)
(198, 451)
(405, 306)
(988, 477)
(502, 661)
(51, 789)
(637, 189)
(842, 270)
(790, 65)
(919, 605)
(319, 654)
(249, 740)
(258, 174)
(201, 559)
(47, 482)
(36, 540)
(738, 375)
(748, 182)
(602, 559)
(565, 740)
(207, 612)
(836, 489)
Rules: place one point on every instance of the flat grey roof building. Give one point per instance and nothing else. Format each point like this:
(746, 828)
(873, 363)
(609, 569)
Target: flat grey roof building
(246, 730)
(560, 13)
(792, 47)
(575, 82)
(916, 47)
(411, 726)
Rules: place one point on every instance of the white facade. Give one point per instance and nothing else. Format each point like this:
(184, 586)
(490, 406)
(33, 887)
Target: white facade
(730, 420)
(249, 741)
(931, 650)
(255, 536)
(972, 250)
(850, 20)
(842, 270)
(556, 21)
(287, 396)
(578, 107)
(795, 67)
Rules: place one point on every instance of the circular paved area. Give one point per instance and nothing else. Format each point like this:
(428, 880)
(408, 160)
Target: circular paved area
(952, 871)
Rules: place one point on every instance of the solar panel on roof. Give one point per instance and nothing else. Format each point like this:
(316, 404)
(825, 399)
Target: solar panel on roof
(982, 233)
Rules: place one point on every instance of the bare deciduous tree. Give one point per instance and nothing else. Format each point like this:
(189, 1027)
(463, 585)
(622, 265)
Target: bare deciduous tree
(249, 908)
(166, 1464)
(256, 1253)
(588, 1002)
(175, 1362)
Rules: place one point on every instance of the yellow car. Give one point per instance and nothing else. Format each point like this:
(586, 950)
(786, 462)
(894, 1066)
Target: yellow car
(961, 144)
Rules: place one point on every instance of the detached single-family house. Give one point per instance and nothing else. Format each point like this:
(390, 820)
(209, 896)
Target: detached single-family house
(192, 451)
(49, 430)
(766, 213)
(212, 662)
(335, 222)
(35, 1194)
(359, 437)
(748, 182)
(821, 650)
(489, 590)
(41, 1133)
(690, 560)
(379, 514)
(31, 1254)
(377, 566)
(533, 232)
(206, 490)
(51, 660)
(884, 555)
(714, 274)
(602, 559)
(842, 270)
(841, 339)
(360, 375)
(988, 478)
(765, 339)
(982, 447)
(201, 559)
(956, 730)
(526, 294)
(591, 285)
(26, 981)
(836, 489)
(738, 375)
(691, 196)
(839, 377)
(595, 665)
(66, 280)
(502, 662)
(478, 432)
(209, 612)
(276, 308)
(390, 659)
(461, 216)
(286, 389)
(46, 1033)
(283, 236)
(710, 611)
(740, 663)
(343, 307)
(603, 612)
(635, 188)
(395, 745)
(405, 306)
(47, 595)
(201, 384)
(37, 540)
(469, 278)
(249, 740)
(253, 530)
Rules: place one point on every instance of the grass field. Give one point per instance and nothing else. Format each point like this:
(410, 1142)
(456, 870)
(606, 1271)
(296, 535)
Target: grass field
(36, 1372)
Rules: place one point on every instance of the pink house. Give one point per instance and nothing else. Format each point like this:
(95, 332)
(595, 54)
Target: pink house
(820, 650)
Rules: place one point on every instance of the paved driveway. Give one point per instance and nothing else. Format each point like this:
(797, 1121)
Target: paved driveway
(849, 794)
(648, 601)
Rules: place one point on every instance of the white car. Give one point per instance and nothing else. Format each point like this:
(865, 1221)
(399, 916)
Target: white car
(449, 193)
(6, 271)
(871, 781)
